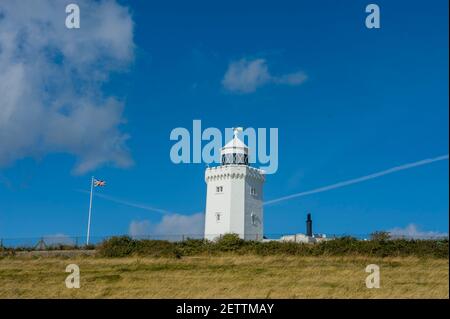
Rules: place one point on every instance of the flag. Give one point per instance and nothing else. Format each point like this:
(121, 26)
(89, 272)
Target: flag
(99, 183)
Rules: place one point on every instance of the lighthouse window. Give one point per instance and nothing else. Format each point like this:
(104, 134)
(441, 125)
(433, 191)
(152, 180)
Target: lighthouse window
(235, 158)
(218, 215)
(219, 189)
(253, 191)
(253, 219)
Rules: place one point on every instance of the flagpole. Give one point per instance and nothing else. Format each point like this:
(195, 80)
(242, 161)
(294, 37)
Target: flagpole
(90, 209)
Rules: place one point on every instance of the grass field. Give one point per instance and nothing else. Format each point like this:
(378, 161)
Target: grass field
(224, 277)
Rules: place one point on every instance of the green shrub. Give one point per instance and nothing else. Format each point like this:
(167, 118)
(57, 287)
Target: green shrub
(117, 247)
(338, 246)
(193, 246)
(156, 248)
(229, 243)
(380, 235)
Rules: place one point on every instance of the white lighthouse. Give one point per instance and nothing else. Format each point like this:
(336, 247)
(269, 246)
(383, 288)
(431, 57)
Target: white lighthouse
(234, 194)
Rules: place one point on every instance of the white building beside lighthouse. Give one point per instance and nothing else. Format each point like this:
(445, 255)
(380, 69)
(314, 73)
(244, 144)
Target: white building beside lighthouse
(234, 195)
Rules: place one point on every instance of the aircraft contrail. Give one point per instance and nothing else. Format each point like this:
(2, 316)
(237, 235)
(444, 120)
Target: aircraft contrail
(359, 179)
(280, 199)
(127, 203)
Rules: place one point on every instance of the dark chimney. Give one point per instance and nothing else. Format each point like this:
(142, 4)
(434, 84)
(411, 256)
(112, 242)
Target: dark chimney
(309, 226)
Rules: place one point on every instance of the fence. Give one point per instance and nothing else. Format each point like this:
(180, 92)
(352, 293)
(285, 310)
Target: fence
(54, 242)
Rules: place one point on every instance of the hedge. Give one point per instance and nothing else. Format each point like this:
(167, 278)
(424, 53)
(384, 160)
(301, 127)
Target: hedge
(231, 243)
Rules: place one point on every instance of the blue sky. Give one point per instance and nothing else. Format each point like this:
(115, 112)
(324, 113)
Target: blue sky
(372, 99)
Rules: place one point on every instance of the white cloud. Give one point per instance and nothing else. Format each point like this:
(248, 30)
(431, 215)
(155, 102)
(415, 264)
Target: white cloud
(51, 98)
(140, 228)
(296, 78)
(413, 232)
(245, 76)
(171, 226)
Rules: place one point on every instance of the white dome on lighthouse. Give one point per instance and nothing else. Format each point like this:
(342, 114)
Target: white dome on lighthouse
(235, 151)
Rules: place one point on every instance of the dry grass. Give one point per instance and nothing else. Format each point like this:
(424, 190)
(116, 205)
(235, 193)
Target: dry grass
(224, 277)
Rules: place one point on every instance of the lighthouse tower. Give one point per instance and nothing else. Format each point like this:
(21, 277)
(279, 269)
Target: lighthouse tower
(234, 194)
